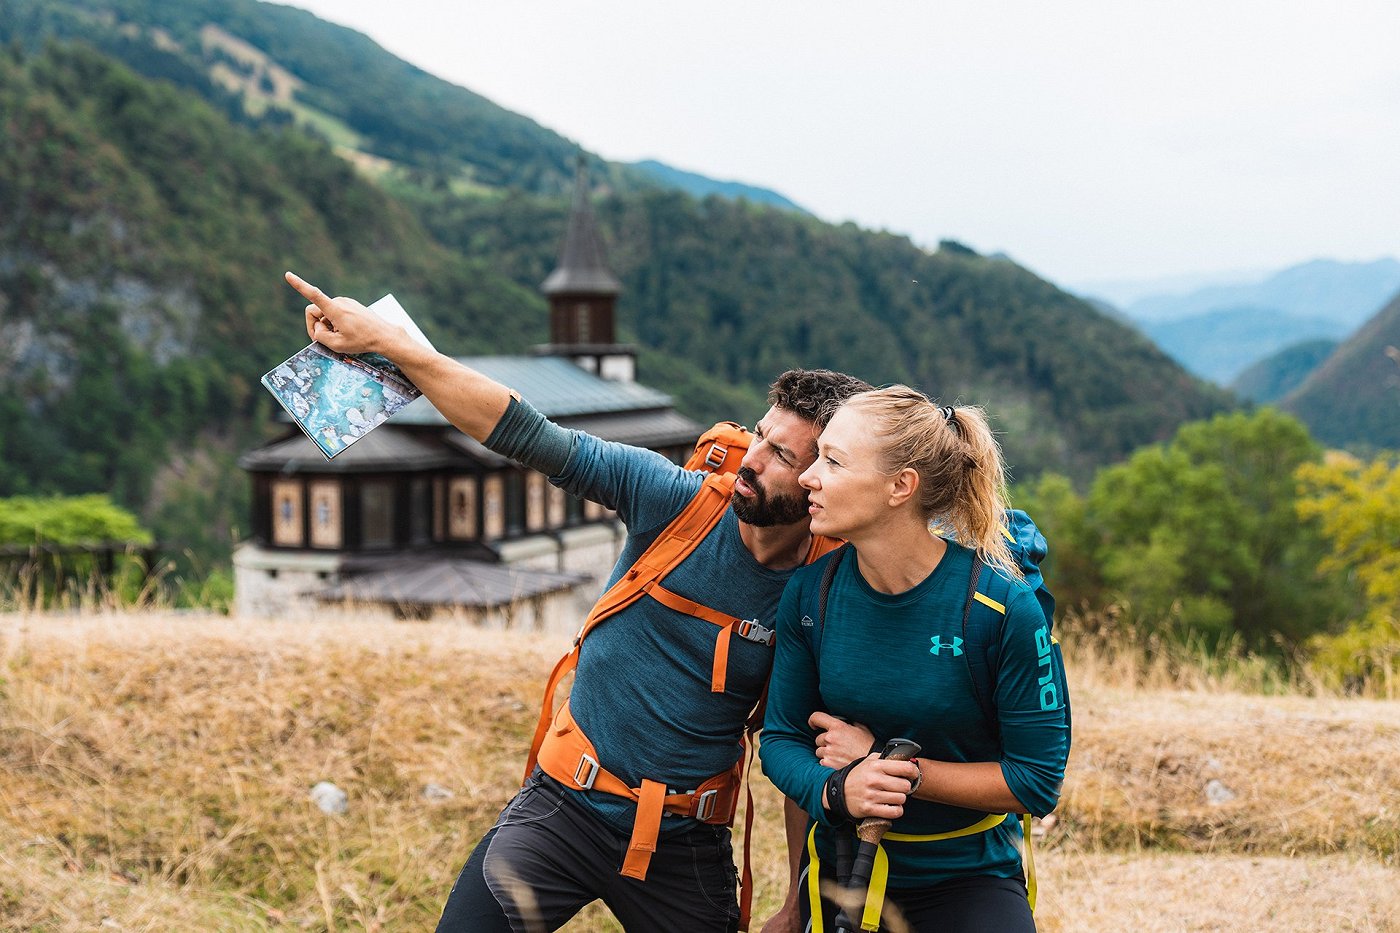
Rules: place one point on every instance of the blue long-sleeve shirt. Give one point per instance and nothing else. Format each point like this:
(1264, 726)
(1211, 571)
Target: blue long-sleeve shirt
(887, 661)
(642, 689)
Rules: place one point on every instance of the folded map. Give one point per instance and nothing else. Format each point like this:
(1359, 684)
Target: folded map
(338, 398)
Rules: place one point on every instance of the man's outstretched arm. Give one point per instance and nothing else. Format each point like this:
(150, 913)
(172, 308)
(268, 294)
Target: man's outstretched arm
(473, 402)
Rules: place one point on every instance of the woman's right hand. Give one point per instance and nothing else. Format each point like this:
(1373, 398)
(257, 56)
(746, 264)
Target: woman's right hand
(878, 787)
(839, 742)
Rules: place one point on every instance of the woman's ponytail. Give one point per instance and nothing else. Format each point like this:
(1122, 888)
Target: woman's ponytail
(962, 481)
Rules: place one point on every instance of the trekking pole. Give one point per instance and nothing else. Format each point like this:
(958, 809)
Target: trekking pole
(871, 830)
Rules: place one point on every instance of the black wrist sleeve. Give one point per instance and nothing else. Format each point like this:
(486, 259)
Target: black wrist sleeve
(836, 794)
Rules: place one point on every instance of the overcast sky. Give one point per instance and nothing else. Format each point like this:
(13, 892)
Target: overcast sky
(1091, 140)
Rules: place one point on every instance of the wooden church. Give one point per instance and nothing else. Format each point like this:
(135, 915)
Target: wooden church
(419, 518)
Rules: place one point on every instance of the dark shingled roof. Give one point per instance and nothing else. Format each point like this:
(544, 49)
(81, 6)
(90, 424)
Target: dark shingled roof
(554, 385)
(583, 267)
(445, 581)
(640, 429)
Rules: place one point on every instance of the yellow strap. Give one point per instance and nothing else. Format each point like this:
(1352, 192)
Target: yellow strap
(991, 821)
(814, 886)
(879, 876)
(875, 893)
(988, 601)
(1030, 860)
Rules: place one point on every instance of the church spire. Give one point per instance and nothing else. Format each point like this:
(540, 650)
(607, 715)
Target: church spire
(583, 265)
(582, 291)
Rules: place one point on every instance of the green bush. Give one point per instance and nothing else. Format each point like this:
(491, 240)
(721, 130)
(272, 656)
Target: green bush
(68, 520)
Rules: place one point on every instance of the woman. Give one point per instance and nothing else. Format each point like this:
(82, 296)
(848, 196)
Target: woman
(918, 492)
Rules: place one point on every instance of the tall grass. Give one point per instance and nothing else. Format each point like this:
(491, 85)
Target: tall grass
(155, 767)
(49, 584)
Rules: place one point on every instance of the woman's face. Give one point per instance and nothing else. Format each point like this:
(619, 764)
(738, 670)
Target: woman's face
(849, 495)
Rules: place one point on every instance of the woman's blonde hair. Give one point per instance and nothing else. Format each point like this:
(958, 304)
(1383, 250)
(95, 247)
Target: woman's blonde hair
(962, 482)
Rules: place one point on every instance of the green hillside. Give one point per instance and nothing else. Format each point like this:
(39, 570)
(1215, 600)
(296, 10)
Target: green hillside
(148, 223)
(1353, 398)
(250, 56)
(742, 292)
(140, 258)
(1275, 376)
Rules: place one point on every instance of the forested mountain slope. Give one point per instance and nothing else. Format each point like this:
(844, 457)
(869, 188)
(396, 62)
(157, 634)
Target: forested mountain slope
(141, 249)
(1353, 398)
(740, 292)
(146, 229)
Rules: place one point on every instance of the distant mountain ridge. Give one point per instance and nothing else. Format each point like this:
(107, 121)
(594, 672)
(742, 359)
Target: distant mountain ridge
(1219, 345)
(700, 186)
(1219, 331)
(1275, 376)
(264, 62)
(1345, 292)
(1352, 399)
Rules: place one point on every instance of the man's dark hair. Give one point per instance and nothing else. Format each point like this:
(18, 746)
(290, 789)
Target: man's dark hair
(814, 394)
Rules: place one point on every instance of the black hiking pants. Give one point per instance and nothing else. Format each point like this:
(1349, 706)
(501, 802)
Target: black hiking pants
(547, 857)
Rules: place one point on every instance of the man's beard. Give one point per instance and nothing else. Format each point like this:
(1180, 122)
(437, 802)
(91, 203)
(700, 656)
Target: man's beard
(764, 510)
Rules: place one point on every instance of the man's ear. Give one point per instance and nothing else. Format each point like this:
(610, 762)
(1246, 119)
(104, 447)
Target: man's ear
(904, 485)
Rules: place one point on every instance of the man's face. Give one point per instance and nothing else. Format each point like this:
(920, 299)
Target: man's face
(766, 491)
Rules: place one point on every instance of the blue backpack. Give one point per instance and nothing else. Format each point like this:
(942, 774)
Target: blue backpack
(985, 608)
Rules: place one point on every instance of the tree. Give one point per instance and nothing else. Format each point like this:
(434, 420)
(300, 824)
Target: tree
(1070, 568)
(1357, 507)
(68, 520)
(1202, 534)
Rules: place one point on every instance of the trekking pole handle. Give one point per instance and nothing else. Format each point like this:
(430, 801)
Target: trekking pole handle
(872, 829)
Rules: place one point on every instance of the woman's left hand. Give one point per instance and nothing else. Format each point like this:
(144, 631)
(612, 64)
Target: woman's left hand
(878, 787)
(839, 742)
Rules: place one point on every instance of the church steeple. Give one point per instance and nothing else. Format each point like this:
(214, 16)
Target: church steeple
(583, 264)
(582, 293)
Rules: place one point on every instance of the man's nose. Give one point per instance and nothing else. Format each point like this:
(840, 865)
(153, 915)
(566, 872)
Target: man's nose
(755, 457)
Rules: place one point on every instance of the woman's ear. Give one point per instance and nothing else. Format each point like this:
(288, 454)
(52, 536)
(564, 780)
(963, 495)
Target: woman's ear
(903, 486)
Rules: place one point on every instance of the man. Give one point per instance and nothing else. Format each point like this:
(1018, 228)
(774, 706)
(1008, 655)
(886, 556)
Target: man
(661, 703)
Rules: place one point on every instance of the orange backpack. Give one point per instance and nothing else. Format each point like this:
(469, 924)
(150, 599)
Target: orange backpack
(721, 449)
(559, 746)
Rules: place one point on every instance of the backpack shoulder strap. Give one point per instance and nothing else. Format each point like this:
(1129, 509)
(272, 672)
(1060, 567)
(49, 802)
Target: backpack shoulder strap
(823, 591)
(984, 612)
(675, 543)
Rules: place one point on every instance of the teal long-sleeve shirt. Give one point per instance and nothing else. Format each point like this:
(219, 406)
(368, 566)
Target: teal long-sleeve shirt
(886, 661)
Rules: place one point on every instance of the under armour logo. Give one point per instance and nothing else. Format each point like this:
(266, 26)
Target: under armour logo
(938, 645)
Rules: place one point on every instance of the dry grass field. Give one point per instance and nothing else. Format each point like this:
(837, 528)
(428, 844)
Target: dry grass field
(155, 770)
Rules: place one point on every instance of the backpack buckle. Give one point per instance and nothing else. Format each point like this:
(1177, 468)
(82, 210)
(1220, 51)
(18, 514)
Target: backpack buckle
(714, 459)
(705, 805)
(586, 772)
(752, 630)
